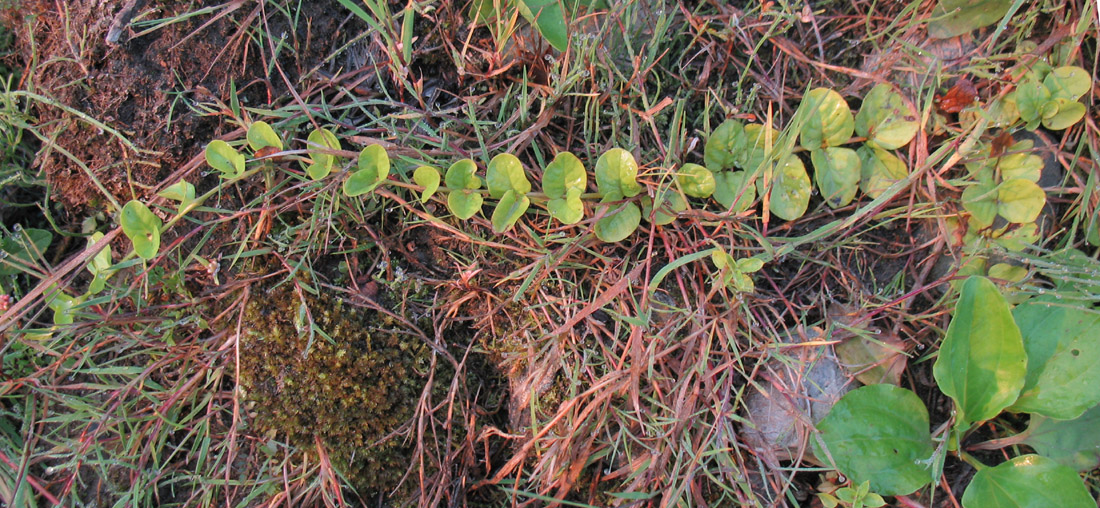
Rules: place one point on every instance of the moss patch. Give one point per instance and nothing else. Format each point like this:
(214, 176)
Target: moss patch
(351, 392)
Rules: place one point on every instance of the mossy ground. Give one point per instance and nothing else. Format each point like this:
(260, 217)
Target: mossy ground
(349, 384)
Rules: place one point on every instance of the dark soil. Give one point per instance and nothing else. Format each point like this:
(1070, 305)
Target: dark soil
(146, 85)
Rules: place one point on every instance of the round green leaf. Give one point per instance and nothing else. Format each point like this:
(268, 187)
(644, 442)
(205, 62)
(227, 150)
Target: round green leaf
(505, 173)
(879, 170)
(733, 191)
(837, 173)
(464, 201)
(982, 362)
(548, 18)
(428, 178)
(879, 434)
(759, 141)
(957, 17)
(981, 201)
(749, 265)
(374, 168)
(1074, 443)
(885, 119)
(1068, 113)
(321, 163)
(1027, 166)
(1030, 98)
(181, 191)
(569, 209)
(142, 227)
(261, 135)
(1063, 351)
(1027, 481)
(696, 181)
(618, 225)
(617, 175)
(563, 181)
(723, 146)
(830, 122)
(510, 208)
(1069, 82)
(222, 157)
(790, 192)
(1020, 201)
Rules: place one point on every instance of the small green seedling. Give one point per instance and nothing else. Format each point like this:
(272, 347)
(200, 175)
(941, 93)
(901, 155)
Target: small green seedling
(1050, 97)
(735, 273)
(508, 183)
(261, 135)
(563, 181)
(428, 178)
(373, 169)
(859, 496)
(320, 164)
(142, 227)
(464, 200)
(224, 158)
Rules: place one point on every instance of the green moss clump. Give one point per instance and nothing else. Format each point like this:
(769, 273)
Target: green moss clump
(351, 392)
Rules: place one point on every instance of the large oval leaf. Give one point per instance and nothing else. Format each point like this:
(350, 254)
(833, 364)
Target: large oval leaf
(982, 363)
(837, 172)
(428, 178)
(464, 201)
(563, 181)
(723, 145)
(618, 225)
(261, 135)
(374, 168)
(1027, 481)
(790, 192)
(1074, 443)
(321, 163)
(733, 190)
(222, 157)
(505, 173)
(957, 17)
(884, 118)
(510, 208)
(696, 181)
(830, 121)
(1020, 201)
(617, 175)
(879, 433)
(879, 170)
(1063, 350)
(142, 227)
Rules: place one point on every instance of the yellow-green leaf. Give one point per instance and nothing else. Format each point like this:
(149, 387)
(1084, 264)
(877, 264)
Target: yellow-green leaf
(982, 363)
(830, 121)
(428, 178)
(224, 158)
(510, 208)
(261, 135)
(1020, 201)
(885, 119)
(142, 227)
